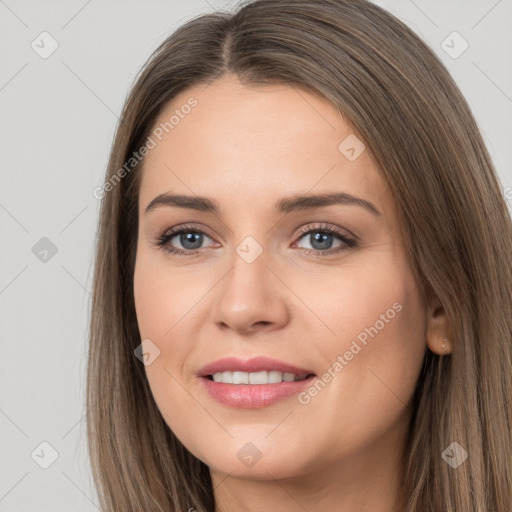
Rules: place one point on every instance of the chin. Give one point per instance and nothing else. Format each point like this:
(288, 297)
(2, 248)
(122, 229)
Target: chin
(253, 461)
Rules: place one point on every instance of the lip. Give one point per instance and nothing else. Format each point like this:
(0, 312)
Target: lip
(251, 396)
(256, 364)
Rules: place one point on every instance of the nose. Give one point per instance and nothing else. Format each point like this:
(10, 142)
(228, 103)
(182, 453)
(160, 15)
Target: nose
(251, 297)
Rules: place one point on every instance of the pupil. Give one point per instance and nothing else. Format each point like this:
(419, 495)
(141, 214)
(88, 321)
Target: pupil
(189, 238)
(324, 239)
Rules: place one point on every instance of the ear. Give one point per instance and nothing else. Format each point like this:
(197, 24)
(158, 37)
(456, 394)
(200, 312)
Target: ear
(438, 332)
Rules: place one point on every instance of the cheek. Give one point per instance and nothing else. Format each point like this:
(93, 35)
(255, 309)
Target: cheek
(162, 301)
(374, 352)
(162, 297)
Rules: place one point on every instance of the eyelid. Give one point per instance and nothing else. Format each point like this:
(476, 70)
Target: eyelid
(345, 236)
(188, 226)
(301, 231)
(161, 241)
(324, 226)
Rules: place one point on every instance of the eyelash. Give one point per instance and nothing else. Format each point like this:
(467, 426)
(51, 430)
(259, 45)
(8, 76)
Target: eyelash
(162, 241)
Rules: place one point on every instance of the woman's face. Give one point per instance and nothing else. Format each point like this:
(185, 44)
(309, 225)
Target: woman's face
(261, 276)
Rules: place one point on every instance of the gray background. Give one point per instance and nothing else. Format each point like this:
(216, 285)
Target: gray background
(58, 118)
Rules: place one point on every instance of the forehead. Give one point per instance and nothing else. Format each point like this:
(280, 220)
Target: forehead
(248, 146)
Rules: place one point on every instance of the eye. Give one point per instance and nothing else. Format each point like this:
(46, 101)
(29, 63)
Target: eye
(321, 238)
(191, 238)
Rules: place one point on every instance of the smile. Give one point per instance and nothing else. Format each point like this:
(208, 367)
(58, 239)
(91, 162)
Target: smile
(258, 378)
(249, 395)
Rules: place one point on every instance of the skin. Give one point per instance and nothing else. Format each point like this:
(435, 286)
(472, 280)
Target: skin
(246, 147)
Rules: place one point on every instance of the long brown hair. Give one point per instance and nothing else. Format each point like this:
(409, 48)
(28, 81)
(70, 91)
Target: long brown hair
(403, 103)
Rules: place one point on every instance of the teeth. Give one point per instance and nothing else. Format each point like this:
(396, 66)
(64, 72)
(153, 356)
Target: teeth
(272, 377)
(240, 378)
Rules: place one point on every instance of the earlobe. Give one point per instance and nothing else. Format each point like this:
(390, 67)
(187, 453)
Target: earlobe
(438, 340)
(446, 346)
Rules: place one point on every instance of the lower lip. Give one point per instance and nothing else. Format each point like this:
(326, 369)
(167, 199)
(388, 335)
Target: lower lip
(251, 396)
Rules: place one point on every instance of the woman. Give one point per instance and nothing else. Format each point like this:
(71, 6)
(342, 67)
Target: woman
(232, 367)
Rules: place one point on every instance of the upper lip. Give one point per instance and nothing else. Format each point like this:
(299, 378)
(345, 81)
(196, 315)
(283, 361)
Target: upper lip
(256, 364)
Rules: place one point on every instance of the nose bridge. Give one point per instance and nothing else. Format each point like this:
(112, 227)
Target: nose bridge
(250, 238)
(249, 294)
(249, 264)
(254, 240)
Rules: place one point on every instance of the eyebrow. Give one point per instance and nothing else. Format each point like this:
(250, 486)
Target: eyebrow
(284, 205)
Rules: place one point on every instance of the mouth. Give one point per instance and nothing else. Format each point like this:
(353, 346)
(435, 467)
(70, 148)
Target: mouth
(253, 383)
(261, 369)
(256, 378)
